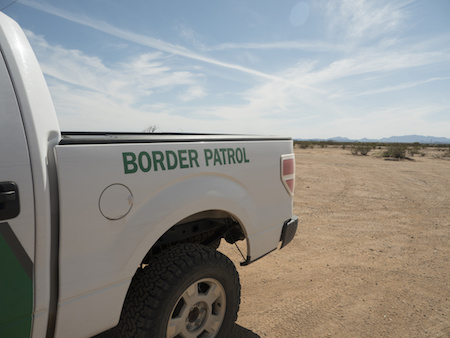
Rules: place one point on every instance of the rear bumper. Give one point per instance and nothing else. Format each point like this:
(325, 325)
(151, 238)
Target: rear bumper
(289, 230)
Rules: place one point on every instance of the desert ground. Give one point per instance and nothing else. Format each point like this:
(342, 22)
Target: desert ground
(371, 257)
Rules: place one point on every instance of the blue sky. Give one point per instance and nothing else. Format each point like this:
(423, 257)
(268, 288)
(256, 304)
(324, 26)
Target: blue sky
(308, 69)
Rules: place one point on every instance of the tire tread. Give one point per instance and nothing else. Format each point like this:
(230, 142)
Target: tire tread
(151, 285)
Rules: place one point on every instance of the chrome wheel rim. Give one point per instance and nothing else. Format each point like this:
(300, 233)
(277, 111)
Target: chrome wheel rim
(199, 312)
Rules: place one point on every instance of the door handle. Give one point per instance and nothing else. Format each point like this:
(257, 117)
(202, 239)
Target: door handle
(7, 196)
(9, 200)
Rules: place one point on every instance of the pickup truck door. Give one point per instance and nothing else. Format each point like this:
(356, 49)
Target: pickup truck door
(17, 219)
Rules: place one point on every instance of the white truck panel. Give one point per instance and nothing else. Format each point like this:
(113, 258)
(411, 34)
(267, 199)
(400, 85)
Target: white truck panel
(17, 230)
(108, 251)
(15, 166)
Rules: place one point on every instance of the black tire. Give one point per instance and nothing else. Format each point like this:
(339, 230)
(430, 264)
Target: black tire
(192, 287)
(215, 245)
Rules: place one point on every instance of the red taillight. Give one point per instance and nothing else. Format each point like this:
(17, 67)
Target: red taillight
(288, 172)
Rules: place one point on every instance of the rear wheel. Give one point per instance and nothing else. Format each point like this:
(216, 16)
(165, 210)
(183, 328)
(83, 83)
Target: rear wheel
(189, 290)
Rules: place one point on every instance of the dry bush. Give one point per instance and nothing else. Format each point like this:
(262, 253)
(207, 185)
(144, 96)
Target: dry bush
(360, 149)
(396, 150)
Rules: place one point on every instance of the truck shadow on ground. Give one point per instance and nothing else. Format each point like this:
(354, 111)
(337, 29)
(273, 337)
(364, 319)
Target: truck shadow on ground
(238, 332)
(242, 332)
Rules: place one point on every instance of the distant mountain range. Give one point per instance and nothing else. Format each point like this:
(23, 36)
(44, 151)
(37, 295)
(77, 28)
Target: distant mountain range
(392, 139)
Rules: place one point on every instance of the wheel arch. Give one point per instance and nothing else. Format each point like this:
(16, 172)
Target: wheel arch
(198, 198)
(206, 227)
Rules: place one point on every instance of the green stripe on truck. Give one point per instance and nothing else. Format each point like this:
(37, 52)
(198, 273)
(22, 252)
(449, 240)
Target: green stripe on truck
(16, 286)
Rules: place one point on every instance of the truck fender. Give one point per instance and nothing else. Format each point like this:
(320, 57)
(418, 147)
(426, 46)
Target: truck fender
(187, 197)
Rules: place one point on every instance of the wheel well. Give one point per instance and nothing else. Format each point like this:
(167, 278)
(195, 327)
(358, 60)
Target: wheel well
(207, 228)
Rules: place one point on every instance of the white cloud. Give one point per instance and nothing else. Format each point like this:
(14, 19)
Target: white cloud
(317, 46)
(194, 92)
(357, 20)
(190, 36)
(141, 39)
(374, 61)
(126, 80)
(90, 95)
(334, 91)
(401, 86)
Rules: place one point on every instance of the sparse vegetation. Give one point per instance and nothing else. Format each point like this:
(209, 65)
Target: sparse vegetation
(361, 149)
(151, 129)
(313, 144)
(415, 149)
(303, 145)
(388, 150)
(396, 150)
(445, 153)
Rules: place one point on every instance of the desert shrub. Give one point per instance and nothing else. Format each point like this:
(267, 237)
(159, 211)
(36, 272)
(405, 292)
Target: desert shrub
(415, 149)
(361, 149)
(446, 153)
(396, 150)
(303, 145)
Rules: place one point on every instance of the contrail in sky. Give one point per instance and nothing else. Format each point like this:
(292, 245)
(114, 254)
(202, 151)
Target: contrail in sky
(141, 39)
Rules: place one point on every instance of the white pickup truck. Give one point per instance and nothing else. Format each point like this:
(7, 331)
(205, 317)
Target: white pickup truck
(99, 230)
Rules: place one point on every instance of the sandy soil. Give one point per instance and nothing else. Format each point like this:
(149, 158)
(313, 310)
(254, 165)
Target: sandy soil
(371, 257)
